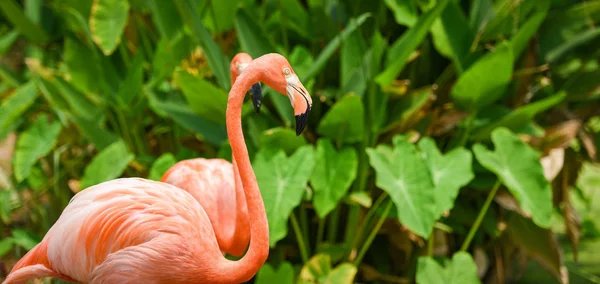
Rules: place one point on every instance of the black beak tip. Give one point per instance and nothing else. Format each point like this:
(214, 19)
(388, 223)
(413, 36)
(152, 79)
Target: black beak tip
(256, 92)
(301, 121)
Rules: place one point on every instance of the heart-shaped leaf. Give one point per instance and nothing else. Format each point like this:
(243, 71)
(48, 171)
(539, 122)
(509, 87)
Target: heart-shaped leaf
(108, 164)
(344, 122)
(282, 181)
(107, 23)
(334, 173)
(485, 81)
(461, 269)
(402, 173)
(449, 173)
(36, 142)
(161, 165)
(267, 274)
(518, 166)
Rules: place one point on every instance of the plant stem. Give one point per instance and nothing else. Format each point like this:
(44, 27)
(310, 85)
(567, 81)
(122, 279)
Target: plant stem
(320, 231)
(430, 243)
(480, 216)
(304, 226)
(299, 237)
(333, 225)
(358, 233)
(373, 233)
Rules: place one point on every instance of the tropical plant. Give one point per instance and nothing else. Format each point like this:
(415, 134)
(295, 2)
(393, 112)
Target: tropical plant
(449, 141)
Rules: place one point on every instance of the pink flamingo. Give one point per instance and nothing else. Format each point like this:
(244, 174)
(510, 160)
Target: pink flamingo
(211, 183)
(132, 230)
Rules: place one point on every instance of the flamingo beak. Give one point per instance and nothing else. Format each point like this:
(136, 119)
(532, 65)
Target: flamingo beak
(301, 101)
(257, 96)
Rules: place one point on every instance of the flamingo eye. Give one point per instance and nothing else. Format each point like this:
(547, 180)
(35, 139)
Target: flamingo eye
(287, 71)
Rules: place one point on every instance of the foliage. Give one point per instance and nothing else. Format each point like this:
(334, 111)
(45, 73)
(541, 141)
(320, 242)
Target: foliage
(449, 141)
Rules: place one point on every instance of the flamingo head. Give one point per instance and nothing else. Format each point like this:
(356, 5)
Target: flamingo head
(280, 76)
(239, 62)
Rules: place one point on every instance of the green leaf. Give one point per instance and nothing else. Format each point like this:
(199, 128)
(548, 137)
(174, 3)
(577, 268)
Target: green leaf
(168, 55)
(449, 173)
(409, 41)
(132, 85)
(7, 40)
(285, 274)
(333, 175)
(203, 97)
(107, 23)
(485, 81)
(84, 68)
(402, 173)
(521, 38)
(344, 122)
(36, 142)
(108, 164)
(318, 270)
(405, 12)
(452, 35)
(461, 269)
(517, 119)
(281, 138)
(518, 166)
(216, 60)
(161, 165)
(21, 22)
(6, 245)
(252, 39)
(282, 182)
(166, 18)
(14, 107)
(24, 238)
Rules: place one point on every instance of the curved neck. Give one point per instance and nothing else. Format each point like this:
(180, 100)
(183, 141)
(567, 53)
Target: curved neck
(258, 251)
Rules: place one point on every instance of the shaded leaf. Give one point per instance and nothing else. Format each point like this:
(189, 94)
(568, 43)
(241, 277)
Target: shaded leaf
(485, 81)
(281, 138)
(461, 269)
(161, 165)
(21, 22)
(518, 166)
(333, 175)
(344, 122)
(284, 274)
(204, 98)
(6, 245)
(34, 143)
(107, 23)
(132, 85)
(106, 165)
(282, 182)
(13, 107)
(402, 173)
(24, 238)
(453, 36)
(252, 39)
(449, 173)
(166, 18)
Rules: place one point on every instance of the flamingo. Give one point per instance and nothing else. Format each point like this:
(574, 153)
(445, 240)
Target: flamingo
(132, 230)
(210, 182)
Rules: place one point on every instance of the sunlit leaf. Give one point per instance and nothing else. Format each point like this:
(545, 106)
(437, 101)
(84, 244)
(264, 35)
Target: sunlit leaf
(107, 23)
(405, 12)
(485, 81)
(318, 270)
(334, 173)
(284, 274)
(161, 165)
(518, 166)
(449, 172)
(461, 269)
(106, 165)
(34, 143)
(401, 172)
(344, 122)
(282, 181)
(408, 42)
(14, 106)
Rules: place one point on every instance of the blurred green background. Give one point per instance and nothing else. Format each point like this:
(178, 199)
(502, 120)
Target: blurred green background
(449, 142)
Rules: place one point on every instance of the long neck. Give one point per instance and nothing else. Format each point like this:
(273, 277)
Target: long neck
(258, 250)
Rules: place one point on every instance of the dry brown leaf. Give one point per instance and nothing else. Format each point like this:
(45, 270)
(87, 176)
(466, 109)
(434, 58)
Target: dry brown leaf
(553, 163)
(482, 261)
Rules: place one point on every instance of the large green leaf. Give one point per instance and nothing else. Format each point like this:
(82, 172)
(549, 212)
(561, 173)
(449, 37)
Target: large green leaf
(252, 39)
(518, 166)
(34, 143)
(402, 173)
(410, 40)
(517, 119)
(282, 182)
(13, 107)
(161, 165)
(284, 274)
(485, 81)
(405, 12)
(106, 165)
(216, 60)
(281, 138)
(449, 173)
(344, 122)
(107, 23)
(461, 269)
(204, 98)
(334, 173)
